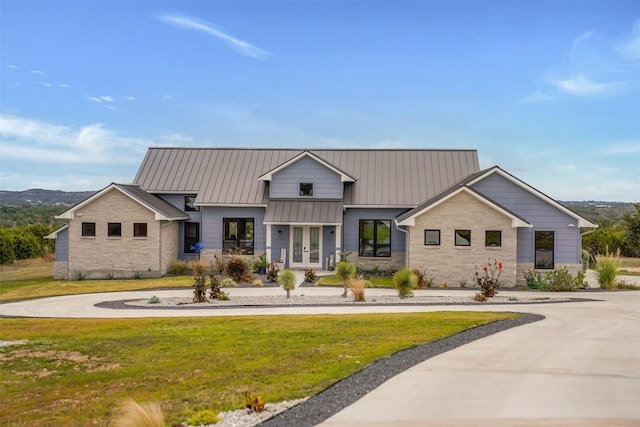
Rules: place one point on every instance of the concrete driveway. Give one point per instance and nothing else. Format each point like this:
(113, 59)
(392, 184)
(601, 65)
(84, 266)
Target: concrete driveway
(578, 367)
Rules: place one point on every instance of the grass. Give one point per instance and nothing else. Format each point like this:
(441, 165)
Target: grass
(75, 371)
(376, 281)
(629, 262)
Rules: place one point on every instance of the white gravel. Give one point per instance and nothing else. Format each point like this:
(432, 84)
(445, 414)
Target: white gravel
(245, 418)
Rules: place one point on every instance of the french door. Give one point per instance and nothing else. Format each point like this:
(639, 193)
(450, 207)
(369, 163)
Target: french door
(306, 246)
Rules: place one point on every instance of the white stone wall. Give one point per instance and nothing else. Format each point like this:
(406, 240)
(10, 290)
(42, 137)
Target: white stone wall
(102, 256)
(455, 264)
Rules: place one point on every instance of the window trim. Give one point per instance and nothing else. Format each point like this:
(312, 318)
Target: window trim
(301, 192)
(376, 245)
(192, 207)
(486, 239)
(188, 240)
(117, 233)
(455, 238)
(226, 243)
(439, 241)
(84, 232)
(137, 234)
(553, 250)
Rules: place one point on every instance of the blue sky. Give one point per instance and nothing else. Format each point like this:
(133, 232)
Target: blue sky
(548, 90)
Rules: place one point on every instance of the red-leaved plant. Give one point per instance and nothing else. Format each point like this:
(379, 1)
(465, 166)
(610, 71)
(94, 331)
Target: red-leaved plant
(489, 281)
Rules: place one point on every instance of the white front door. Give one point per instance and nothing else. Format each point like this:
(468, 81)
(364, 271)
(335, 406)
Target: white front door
(306, 246)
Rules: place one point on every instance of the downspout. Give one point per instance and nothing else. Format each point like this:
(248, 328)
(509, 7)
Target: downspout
(407, 244)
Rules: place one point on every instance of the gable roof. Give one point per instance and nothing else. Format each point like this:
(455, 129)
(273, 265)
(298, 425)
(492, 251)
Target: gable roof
(408, 218)
(344, 177)
(162, 209)
(582, 221)
(231, 176)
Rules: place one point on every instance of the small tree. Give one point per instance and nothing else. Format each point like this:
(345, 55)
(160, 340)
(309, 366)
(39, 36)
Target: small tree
(490, 280)
(199, 283)
(287, 280)
(345, 270)
(405, 281)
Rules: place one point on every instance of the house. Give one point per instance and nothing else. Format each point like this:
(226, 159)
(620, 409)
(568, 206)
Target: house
(428, 209)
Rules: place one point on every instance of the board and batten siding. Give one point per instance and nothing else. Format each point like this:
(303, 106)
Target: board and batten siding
(62, 246)
(540, 214)
(286, 183)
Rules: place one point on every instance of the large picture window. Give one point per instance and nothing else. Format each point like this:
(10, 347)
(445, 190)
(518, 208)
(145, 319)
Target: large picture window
(544, 243)
(375, 238)
(238, 235)
(191, 236)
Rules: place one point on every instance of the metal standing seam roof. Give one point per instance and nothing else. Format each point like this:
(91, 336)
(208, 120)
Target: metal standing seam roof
(304, 212)
(229, 176)
(158, 205)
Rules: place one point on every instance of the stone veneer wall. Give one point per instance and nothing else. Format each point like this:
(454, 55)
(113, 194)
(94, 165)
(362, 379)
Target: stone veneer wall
(396, 261)
(454, 264)
(102, 256)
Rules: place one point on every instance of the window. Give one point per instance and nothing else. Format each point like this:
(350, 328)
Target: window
(191, 236)
(89, 229)
(463, 238)
(114, 229)
(375, 238)
(493, 238)
(139, 229)
(306, 189)
(432, 237)
(238, 235)
(190, 204)
(544, 249)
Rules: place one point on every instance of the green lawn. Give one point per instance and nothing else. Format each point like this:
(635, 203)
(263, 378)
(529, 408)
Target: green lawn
(376, 281)
(74, 372)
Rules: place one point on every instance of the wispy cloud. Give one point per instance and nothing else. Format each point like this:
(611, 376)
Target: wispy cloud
(630, 48)
(64, 86)
(583, 86)
(101, 99)
(130, 98)
(38, 72)
(176, 138)
(236, 44)
(537, 96)
(578, 42)
(624, 147)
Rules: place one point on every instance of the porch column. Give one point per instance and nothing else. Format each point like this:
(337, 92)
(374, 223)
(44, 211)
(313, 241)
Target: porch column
(268, 243)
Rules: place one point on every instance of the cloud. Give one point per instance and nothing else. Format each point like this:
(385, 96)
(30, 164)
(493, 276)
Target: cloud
(630, 48)
(101, 99)
(579, 41)
(238, 45)
(176, 138)
(13, 67)
(583, 86)
(37, 141)
(624, 147)
(537, 96)
(130, 98)
(38, 72)
(64, 86)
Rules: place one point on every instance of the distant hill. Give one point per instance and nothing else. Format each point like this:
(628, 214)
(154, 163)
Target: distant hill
(43, 197)
(599, 211)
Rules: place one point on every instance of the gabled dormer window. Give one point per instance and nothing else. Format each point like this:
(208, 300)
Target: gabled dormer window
(306, 189)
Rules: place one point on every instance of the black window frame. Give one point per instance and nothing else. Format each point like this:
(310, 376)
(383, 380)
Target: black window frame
(375, 246)
(229, 244)
(88, 229)
(189, 206)
(537, 249)
(137, 229)
(114, 229)
(486, 239)
(190, 241)
(455, 238)
(307, 191)
(426, 242)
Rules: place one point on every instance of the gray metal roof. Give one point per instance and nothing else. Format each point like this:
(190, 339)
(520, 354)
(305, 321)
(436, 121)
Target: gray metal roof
(228, 176)
(155, 203)
(304, 212)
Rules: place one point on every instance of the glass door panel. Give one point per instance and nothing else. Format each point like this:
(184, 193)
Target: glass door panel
(297, 244)
(314, 245)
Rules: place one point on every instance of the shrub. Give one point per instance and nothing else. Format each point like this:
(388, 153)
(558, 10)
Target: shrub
(533, 279)
(607, 267)
(214, 289)
(428, 281)
(309, 275)
(357, 286)
(345, 270)
(7, 254)
(154, 300)
(287, 280)
(479, 297)
(272, 273)
(132, 414)
(420, 274)
(558, 280)
(199, 283)
(238, 269)
(405, 281)
(489, 282)
(178, 267)
(253, 402)
(228, 282)
(257, 283)
(585, 258)
(203, 418)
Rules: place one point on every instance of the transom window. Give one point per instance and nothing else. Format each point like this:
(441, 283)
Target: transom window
(306, 189)
(238, 235)
(89, 229)
(190, 204)
(139, 229)
(493, 238)
(191, 236)
(114, 229)
(463, 237)
(432, 237)
(544, 243)
(375, 238)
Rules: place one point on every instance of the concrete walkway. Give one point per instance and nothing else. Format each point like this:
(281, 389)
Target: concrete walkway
(578, 367)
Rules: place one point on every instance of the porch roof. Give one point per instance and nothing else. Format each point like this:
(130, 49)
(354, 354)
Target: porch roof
(304, 212)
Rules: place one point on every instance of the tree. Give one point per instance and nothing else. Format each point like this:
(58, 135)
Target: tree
(287, 280)
(631, 222)
(345, 270)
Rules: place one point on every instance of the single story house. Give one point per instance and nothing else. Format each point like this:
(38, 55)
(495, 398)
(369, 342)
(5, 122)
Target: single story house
(429, 209)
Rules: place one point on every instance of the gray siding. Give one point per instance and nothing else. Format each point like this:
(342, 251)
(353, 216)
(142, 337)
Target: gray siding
(279, 241)
(540, 214)
(211, 226)
(177, 200)
(351, 228)
(328, 243)
(62, 246)
(326, 183)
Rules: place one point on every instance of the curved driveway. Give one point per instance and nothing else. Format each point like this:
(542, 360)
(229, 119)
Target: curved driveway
(578, 367)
